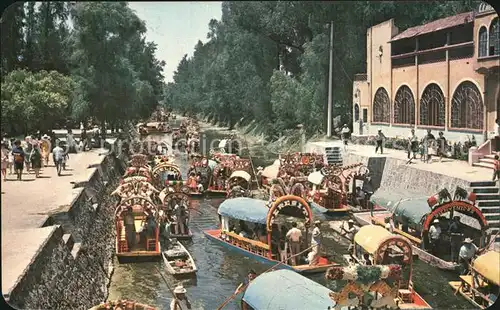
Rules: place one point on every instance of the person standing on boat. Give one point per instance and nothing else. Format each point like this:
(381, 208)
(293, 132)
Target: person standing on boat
(434, 236)
(180, 214)
(467, 252)
(164, 233)
(294, 235)
(315, 243)
(250, 276)
(129, 228)
(455, 238)
(349, 233)
(180, 301)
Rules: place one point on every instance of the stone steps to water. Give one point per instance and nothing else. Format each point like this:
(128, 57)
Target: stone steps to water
(483, 165)
(488, 201)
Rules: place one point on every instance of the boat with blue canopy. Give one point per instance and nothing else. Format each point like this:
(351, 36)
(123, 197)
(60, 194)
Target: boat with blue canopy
(252, 227)
(412, 216)
(285, 289)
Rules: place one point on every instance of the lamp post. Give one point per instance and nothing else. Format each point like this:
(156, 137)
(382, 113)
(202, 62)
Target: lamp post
(330, 81)
(300, 127)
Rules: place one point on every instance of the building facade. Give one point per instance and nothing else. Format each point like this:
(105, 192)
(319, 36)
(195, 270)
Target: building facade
(442, 76)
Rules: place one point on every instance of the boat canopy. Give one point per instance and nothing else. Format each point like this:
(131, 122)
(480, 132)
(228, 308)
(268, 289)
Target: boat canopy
(286, 289)
(388, 199)
(488, 265)
(241, 174)
(138, 204)
(222, 143)
(370, 237)
(246, 209)
(316, 177)
(271, 172)
(413, 207)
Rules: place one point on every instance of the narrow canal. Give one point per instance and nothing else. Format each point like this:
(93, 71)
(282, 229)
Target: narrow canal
(220, 270)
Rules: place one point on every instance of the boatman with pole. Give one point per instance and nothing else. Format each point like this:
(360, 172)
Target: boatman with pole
(180, 301)
(294, 235)
(315, 244)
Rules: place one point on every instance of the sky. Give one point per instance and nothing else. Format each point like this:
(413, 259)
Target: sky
(176, 27)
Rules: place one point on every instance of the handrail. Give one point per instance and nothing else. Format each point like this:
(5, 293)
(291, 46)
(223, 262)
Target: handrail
(252, 242)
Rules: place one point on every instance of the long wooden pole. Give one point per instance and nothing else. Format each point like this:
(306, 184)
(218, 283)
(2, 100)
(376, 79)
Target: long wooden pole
(330, 82)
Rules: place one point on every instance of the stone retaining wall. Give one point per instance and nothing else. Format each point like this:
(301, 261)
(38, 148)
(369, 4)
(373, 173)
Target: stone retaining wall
(73, 269)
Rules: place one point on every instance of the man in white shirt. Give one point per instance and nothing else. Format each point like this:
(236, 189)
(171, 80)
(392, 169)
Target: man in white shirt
(345, 135)
(467, 252)
(412, 144)
(434, 235)
(294, 236)
(315, 243)
(57, 157)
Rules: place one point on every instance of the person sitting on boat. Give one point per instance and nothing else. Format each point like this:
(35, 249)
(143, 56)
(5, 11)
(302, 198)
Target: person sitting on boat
(129, 228)
(359, 197)
(350, 230)
(180, 301)
(193, 185)
(455, 238)
(250, 276)
(180, 215)
(467, 252)
(434, 236)
(244, 231)
(199, 182)
(367, 259)
(294, 236)
(315, 243)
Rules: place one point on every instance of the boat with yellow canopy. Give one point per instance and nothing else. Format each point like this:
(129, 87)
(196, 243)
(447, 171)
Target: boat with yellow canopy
(374, 245)
(481, 286)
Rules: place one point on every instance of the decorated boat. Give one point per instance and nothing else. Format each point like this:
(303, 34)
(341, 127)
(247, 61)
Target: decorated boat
(178, 261)
(218, 182)
(285, 289)
(269, 173)
(240, 183)
(123, 304)
(481, 286)
(248, 211)
(375, 245)
(413, 217)
(154, 128)
(135, 186)
(165, 172)
(177, 194)
(334, 187)
(135, 241)
(202, 168)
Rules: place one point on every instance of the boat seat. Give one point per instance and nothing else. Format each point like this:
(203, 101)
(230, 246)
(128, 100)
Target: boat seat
(405, 295)
(468, 281)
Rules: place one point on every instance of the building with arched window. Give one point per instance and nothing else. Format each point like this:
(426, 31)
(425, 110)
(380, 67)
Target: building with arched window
(442, 76)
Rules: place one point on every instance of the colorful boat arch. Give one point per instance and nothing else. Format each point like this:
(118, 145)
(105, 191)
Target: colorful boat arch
(135, 178)
(184, 198)
(137, 171)
(459, 206)
(293, 205)
(167, 167)
(146, 205)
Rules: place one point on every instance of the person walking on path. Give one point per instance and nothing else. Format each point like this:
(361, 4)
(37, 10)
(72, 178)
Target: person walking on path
(412, 145)
(35, 159)
(345, 136)
(5, 160)
(57, 157)
(496, 169)
(380, 141)
(19, 156)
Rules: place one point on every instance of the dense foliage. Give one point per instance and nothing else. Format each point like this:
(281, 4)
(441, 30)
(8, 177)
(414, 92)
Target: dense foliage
(268, 61)
(99, 69)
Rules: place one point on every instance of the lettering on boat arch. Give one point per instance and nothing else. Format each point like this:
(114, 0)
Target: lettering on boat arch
(166, 168)
(147, 205)
(459, 206)
(400, 243)
(180, 196)
(285, 202)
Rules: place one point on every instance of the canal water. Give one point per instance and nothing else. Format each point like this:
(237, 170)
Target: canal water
(220, 270)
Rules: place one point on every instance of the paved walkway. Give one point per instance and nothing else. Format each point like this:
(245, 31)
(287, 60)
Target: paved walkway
(26, 203)
(450, 167)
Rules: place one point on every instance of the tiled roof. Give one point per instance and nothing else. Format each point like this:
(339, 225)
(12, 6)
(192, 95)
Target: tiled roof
(440, 24)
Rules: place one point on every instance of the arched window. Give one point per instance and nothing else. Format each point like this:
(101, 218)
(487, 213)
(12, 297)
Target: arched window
(432, 106)
(467, 107)
(404, 106)
(494, 48)
(356, 112)
(381, 106)
(483, 42)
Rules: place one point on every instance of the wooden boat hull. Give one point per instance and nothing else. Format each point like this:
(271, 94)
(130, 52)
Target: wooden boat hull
(138, 256)
(457, 288)
(303, 269)
(196, 194)
(182, 253)
(365, 218)
(188, 236)
(215, 193)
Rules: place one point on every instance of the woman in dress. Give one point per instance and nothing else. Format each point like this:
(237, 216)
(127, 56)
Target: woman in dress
(36, 159)
(5, 160)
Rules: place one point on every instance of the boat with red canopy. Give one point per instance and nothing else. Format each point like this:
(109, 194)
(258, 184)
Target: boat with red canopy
(265, 246)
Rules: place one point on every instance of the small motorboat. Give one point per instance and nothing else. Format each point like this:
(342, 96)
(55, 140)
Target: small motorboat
(178, 261)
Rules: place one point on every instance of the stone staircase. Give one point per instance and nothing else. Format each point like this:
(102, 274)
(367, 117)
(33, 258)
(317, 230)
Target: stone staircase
(488, 161)
(488, 200)
(334, 155)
